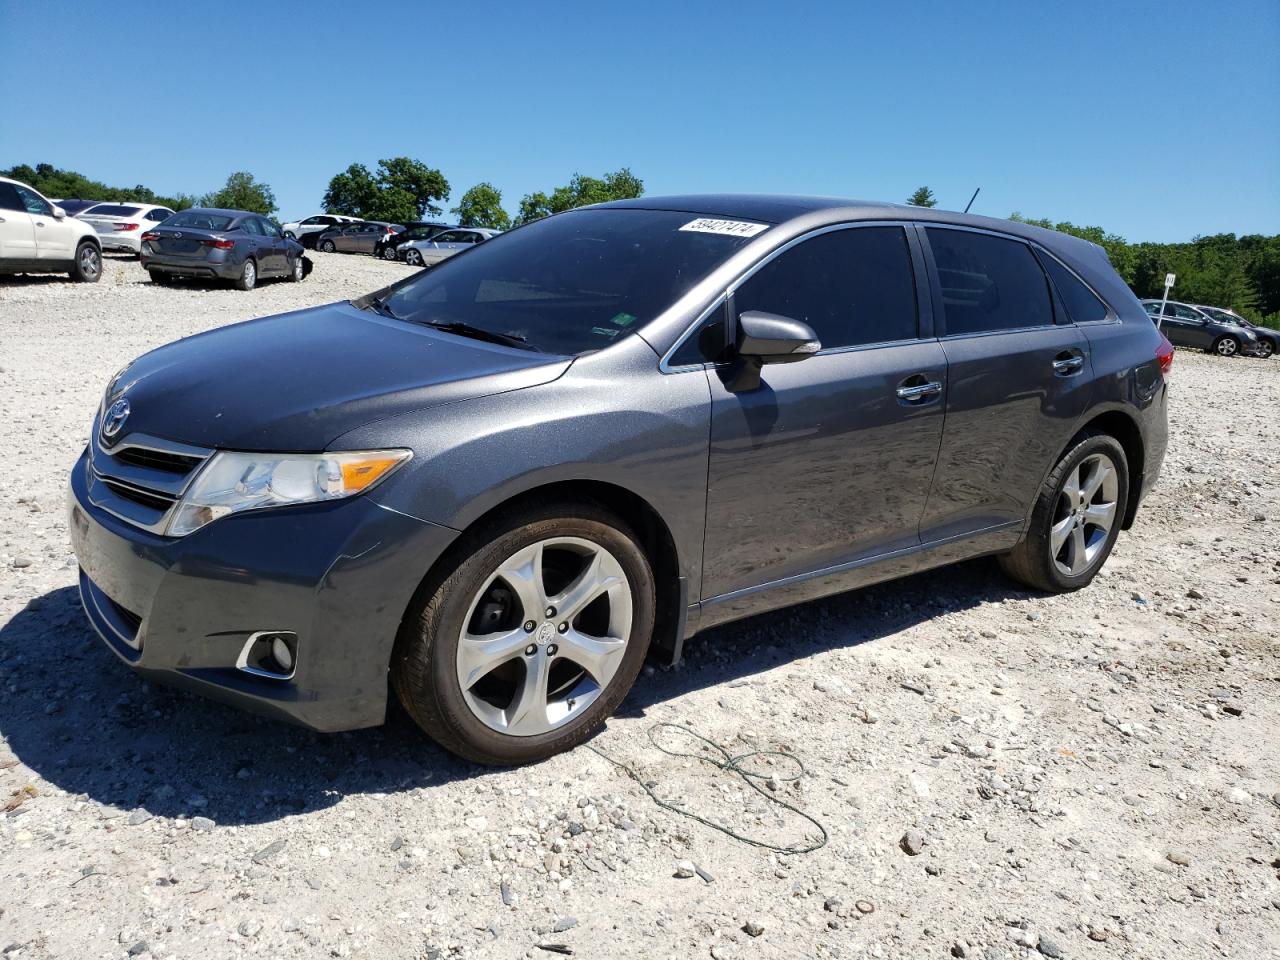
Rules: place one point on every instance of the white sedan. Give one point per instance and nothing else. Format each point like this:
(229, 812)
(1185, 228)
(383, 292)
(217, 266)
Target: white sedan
(296, 229)
(426, 253)
(120, 226)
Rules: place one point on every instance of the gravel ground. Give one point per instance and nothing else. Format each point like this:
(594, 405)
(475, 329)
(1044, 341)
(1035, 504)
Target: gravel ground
(1000, 774)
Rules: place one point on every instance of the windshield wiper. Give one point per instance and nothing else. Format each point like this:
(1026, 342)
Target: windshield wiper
(380, 305)
(479, 333)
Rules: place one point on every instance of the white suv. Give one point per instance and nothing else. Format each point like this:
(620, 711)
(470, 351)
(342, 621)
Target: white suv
(321, 221)
(37, 237)
(120, 226)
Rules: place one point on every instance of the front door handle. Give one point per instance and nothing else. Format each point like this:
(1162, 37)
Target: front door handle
(39, 223)
(918, 391)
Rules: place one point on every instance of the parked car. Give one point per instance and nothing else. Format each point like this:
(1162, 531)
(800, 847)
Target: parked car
(1188, 326)
(427, 253)
(120, 226)
(297, 229)
(1268, 339)
(386, 245)
(73, 207)
(219, 244)
(37, 236)
(533, 466)
(357, 238)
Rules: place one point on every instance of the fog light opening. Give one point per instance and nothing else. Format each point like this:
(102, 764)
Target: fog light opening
(270, 653)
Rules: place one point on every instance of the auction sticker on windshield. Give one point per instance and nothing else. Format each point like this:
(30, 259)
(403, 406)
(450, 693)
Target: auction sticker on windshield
(727, 228)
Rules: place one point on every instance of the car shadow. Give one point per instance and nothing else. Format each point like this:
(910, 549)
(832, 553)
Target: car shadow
(85, 723)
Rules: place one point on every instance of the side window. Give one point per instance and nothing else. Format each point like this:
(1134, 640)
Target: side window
(1082, 304)
(312, 221)
(853, 286)
(250, 225)
(269, 229)
(988, 283)
(33, 201)
(9, 199)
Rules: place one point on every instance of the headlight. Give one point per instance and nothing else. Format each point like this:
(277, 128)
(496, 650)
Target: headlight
(231, 482)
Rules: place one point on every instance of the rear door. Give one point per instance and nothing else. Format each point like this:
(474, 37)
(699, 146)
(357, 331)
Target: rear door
(826, 462)
(274, 247)
(1019, 379)
(17, 232)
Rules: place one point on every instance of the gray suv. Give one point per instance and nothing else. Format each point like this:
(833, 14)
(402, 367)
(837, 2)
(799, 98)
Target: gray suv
(504, 482)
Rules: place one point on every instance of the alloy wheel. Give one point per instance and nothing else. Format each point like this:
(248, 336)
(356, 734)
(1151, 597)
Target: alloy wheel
(90, 262)
(544, 636)
(413, 258)
(1084, 514)
(250, 275)
(1227, 347)
(388, 253)
(1266, 348)
(298, 269)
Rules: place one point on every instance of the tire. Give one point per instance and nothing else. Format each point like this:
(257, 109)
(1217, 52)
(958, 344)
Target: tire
(412, 257)
(487, 722)
(297, 270)
(87, 266)
(288, 235)
(160, 279)
(248, 275)
(1075, 560)
(1266, 349)
(1226, 346)
(327, 246)
(389, 252)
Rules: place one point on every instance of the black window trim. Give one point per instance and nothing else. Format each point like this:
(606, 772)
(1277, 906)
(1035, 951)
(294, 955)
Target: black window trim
(1111, 317)
(935, 282)
(923, 290)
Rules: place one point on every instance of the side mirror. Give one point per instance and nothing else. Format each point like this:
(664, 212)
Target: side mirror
(59, 213)
(769, 338)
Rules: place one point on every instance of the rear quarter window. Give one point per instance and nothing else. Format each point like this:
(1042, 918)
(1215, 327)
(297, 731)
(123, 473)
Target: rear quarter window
(1082, 304)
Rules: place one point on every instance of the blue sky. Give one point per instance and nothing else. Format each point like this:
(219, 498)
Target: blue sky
(1158, 121)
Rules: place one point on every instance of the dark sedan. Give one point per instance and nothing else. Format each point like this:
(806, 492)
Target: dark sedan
(1268, 339)
(386, 245)
(215, 244)
(1188, 326)
(357, 237)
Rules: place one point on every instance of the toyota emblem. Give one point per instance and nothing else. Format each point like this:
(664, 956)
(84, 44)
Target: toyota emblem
(115, 417)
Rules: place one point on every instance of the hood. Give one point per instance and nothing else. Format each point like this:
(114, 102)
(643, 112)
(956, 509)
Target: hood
(296, 381)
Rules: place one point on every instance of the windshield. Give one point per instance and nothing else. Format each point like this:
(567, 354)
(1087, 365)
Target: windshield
(576, 282)
(1224, 316)
(199, 220)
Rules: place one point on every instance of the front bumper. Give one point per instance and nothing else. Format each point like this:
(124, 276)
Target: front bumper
(339, 575)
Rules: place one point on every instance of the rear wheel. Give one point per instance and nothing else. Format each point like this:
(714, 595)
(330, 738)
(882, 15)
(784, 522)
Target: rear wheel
(298, 270)
(1227, 346)
(160, 278)
(413, 257)
(87, 267)
(388, 252)
(534, 637)
(248, 276)
(327, 246)
(1076, 518)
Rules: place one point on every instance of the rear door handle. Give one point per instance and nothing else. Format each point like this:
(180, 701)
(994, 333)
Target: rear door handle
(919, 390)
(1066, 366)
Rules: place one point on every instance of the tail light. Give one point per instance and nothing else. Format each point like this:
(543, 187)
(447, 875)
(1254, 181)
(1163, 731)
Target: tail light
(151, 235)
(218, 244)
(126, 227)
(389, 231)
(1164, 354)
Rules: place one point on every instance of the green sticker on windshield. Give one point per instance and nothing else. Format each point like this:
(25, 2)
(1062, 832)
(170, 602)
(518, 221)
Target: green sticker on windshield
(623, 319)
(605, 331)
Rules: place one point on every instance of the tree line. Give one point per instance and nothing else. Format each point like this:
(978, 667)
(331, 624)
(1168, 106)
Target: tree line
(240, 192)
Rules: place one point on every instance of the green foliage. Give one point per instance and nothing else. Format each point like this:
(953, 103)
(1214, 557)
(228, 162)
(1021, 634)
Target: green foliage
(242, 192)
(481, 206)
(401, 190)
(67, 184)
(923, 197)
(1223, 270)
(581, 191)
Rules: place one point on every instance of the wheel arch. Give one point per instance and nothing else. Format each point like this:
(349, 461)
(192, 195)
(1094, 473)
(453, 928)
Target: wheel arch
(671, 601)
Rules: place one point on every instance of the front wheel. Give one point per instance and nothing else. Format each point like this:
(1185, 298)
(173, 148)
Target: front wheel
(87, 266)
(288, 235)
(248, 276)
(298, 270)
(1226, 346)
(532, 640)
(1076, 518)
(413, 257)
(1265, 349)
(328, 246)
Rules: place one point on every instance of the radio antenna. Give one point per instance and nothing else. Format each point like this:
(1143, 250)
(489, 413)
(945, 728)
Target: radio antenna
(971, 199)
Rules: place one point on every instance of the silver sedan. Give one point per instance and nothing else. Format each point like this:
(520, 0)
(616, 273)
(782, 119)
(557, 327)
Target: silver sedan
(426, 253)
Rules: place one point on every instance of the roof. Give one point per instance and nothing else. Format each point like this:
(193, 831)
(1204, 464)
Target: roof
(220, 211)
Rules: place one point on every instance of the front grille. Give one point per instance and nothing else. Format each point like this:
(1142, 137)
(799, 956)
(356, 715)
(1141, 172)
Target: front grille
(140, 478)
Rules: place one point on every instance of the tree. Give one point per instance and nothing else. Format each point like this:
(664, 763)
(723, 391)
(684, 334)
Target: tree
(64, 184)
(403, 189)
(243, 192)
(923, 197)
(481, 206)
(579, 192)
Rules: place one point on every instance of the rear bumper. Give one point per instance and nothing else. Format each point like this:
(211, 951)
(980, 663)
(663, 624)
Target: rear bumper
(121, 241)
(339, 576)
(220, 270)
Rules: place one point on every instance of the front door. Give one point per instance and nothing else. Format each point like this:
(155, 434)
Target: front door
(17, 233)
(826, 462)
(1186, 327)
(55, 237)
(1019, 379)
